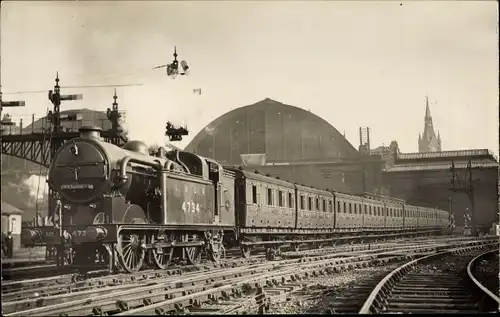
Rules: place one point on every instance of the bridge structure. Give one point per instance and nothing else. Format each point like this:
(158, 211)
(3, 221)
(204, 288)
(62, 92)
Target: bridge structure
(40, 147)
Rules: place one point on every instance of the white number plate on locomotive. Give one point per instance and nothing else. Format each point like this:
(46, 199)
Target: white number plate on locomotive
(189, 206)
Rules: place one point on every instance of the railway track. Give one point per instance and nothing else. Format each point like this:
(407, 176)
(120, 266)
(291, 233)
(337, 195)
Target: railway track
(483, 271)
(47, 269)
(436, 283)
(59, 283)
(230, 287)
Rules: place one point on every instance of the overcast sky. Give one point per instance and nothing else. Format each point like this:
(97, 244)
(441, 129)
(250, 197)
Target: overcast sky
(353, 63)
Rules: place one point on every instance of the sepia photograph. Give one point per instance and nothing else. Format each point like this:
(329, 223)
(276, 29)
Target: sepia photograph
(249, 157)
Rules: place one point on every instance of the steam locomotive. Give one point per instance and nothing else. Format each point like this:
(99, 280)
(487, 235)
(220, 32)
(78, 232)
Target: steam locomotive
(123, 207)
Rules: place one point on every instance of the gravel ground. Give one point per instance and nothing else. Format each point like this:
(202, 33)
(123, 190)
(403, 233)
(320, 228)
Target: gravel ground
(321, 293)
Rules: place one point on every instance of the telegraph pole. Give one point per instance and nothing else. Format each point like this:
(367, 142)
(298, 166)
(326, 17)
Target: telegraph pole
(466, 187)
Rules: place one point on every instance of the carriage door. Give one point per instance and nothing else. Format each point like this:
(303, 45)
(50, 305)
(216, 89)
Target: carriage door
(215, 178)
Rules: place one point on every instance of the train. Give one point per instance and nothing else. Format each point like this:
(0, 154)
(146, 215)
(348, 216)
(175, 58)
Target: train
(127, 208)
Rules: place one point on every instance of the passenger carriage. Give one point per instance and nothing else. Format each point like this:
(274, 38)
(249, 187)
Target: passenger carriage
(314, 208)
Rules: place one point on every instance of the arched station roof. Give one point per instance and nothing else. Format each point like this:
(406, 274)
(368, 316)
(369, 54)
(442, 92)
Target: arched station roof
(282, 132)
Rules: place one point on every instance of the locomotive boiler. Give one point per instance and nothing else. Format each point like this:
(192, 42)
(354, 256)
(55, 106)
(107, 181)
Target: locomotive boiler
(124, 207)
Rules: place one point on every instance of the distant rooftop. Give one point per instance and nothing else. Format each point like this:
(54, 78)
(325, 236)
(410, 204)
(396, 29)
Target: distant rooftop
(447, 154)
(438, 166)
(7, 209)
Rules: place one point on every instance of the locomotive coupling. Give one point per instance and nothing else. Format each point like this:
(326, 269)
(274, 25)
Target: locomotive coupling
(96, 233)
(30, 234)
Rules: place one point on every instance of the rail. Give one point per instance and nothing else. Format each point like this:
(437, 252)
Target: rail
(383, 287)
(485, 290)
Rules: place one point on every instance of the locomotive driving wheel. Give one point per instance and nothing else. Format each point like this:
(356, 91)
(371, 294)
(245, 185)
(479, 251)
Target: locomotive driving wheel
(193, 254)
(162, 256)
(130, 250)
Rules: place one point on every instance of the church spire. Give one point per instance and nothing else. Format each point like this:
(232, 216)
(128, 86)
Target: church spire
(428, 142)
(427, 109)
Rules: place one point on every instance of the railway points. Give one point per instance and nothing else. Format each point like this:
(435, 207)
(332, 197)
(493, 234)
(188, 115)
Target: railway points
(146, 293)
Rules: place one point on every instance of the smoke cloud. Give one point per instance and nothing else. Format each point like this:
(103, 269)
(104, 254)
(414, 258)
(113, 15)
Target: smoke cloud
(37, 188)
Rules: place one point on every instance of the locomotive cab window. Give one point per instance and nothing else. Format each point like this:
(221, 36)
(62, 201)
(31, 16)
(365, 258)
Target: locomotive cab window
(254, 194)
(213, 172)
(269, 196)
(280, 198)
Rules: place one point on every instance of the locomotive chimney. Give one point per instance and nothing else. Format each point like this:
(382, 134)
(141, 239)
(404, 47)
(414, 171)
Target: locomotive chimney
(90, 132)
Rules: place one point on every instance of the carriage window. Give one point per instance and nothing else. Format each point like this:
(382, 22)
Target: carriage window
(330, 206)
(350, 208)
(302, 204)
(324, 205)
(366, 210)
(290, 200)
(345, 208)
(269, 196)
(280, 198)
(309, 203)
(254, 194)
